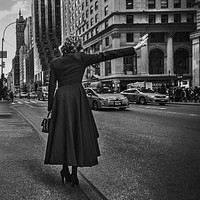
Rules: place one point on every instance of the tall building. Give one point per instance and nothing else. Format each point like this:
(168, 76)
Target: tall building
(28, 37)
(105, 25)
(20, 26)
(195, 36)
(46, 37)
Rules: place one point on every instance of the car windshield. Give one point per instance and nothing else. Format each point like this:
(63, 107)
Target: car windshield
(144, 90)
(103, 90)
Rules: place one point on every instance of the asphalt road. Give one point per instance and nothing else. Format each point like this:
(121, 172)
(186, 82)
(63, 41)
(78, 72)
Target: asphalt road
(148, 152)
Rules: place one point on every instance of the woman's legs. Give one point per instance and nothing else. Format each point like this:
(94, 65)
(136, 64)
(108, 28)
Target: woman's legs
(74, 170)
(74, 177)
(65, 174)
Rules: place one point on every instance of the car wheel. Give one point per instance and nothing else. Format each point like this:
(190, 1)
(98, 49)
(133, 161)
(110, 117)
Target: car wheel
(142, 101)
(94, 105)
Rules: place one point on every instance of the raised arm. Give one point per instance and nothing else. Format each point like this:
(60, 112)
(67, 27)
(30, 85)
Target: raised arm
(89, 59)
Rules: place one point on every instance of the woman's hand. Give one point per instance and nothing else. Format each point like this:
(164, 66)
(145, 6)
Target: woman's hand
(142, 42)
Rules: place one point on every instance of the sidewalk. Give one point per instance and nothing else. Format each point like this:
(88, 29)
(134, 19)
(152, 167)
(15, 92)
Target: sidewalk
(185, 103)
(23, 174)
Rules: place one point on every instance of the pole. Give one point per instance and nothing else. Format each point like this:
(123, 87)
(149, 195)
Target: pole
(2, 75)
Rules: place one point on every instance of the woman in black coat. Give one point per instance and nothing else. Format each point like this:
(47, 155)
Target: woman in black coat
(72, 139)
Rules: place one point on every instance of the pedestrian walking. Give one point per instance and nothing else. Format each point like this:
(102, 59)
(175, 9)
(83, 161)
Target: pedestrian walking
(11, 96)
(73, 135)
(196, 94)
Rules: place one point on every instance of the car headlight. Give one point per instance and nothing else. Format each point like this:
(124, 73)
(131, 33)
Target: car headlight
(151, 97)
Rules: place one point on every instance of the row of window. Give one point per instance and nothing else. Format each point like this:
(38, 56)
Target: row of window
(156, 63)
(153, 38)
(164, 18)
(82, 19)
(163, 4)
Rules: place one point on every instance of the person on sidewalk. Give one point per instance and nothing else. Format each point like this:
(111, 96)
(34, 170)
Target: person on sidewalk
(73, 135)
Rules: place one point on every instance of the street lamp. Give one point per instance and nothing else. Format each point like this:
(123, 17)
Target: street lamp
(2, 92)
(2, 75)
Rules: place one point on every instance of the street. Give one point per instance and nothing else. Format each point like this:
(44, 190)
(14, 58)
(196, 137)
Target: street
(147, 151)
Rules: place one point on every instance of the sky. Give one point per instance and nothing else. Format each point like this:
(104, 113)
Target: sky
(9, 12)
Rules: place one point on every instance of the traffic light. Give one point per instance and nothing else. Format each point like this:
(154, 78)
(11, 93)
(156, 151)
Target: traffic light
(3, 64)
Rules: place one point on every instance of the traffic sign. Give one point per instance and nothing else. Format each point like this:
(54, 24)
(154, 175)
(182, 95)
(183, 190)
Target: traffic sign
(3, 54)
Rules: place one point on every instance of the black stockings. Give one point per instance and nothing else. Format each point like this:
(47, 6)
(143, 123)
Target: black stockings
(74, 169)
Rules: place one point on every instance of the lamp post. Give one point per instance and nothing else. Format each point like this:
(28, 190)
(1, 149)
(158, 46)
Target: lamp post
(2, 65)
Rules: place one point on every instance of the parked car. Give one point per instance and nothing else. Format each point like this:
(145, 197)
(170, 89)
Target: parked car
(32, 95)
(42, 93)
(106, 98)
(144, 96)
(23, 95)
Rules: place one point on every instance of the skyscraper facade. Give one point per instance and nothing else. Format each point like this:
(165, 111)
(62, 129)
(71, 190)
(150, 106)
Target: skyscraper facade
(20, 26)
(46, 37)
(105, 25)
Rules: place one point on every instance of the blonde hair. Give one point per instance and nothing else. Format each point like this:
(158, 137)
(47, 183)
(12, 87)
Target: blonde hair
(72, 44)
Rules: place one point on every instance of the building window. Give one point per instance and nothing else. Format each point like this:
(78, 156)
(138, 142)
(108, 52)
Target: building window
(177, 18)
(157, 38)
(181, 61)
(130, 65)
(91, 21)
(152, 19)
(92, 33)
(181, 37)
(107, 67)
(190, 17)
(87, 13)
(83, 17)
(156, 62)
(96, 18)
(129, 37)
(83, 5)
(106, 10)
(106, 23)
(151, 4)
(97, 29)
(96, 5)
(107, 41)
(190, 4)
(91, 9)
(129, 19)
(177, 3)
(91, 1)
(164, 3)
(164, 18)
(129, 4)
(86, 2)
(87, 25)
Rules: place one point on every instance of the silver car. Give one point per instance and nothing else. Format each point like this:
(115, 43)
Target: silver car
(144, 96)
(106, 98)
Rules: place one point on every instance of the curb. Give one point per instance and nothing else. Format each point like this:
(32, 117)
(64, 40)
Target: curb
(88, 189)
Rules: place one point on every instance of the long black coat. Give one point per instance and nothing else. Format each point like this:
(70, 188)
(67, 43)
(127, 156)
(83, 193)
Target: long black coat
(73, 133)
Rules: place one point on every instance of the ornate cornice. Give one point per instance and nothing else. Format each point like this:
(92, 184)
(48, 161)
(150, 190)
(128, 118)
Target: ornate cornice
(116, 35)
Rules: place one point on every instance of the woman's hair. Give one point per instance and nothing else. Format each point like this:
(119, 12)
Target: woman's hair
(72, 44)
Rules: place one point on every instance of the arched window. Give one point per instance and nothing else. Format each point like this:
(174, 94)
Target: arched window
(156, 62)
(181, 61)
(130, 65)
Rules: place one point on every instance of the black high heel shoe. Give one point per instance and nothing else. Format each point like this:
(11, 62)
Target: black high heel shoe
(74, 180)
(65, 176)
